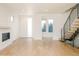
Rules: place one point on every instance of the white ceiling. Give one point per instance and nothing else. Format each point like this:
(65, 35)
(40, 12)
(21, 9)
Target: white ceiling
(39, 7)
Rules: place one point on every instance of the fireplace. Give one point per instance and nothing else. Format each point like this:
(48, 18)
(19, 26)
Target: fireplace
(5, 36)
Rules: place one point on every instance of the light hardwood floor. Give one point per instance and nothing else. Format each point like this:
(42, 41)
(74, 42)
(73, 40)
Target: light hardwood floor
(28, 47)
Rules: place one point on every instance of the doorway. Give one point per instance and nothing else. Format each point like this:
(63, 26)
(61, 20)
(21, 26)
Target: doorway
(29, 27)
(47, 28)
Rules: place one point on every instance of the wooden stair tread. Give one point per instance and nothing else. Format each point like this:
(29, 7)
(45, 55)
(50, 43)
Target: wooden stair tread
(76, 21)
(68, 35)
(75, 24)
(73, 28)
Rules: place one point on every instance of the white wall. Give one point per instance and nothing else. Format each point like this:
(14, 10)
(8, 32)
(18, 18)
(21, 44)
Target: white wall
(15, 27)
(57, 25)
(18, 27)
(59, 20)
(37, 34)
(36, 26)
(23, 26)
(5, 15)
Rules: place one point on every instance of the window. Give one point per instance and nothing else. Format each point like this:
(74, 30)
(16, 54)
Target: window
(50, 25)
(43, 25)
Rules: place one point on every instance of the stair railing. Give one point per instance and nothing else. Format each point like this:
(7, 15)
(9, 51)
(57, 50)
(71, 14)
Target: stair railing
(74, 14)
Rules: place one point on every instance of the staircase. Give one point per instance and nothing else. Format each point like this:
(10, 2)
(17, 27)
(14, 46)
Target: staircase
(71, 27)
